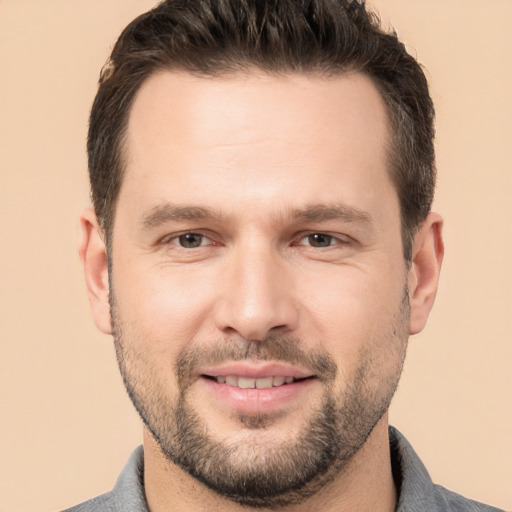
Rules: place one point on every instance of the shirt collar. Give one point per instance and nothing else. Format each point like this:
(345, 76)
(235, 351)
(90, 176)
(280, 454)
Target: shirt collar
(414, 486)
(128, 492)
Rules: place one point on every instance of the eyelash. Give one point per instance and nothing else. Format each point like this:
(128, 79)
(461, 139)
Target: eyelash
(174, 239)
(333, 240)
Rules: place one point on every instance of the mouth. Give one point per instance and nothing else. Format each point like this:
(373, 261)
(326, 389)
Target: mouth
(256, 387)
(255, 383)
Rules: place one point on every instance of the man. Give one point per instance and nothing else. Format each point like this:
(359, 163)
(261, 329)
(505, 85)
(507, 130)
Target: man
(261, 247)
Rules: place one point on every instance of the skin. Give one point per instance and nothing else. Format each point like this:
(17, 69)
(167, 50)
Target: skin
(256, 151)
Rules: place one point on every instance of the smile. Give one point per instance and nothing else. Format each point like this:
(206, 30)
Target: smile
(255, 386)
(253, 383)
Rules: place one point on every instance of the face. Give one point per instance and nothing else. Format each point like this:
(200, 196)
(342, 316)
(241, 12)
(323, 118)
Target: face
(258, 288)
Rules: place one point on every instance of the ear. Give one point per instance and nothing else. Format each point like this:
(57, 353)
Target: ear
(93, 255)
(427, 256)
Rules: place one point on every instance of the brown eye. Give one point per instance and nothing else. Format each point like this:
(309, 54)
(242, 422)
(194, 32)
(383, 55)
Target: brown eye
(320, 240)
(191, 240)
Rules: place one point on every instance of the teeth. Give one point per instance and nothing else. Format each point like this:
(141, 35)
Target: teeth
(232, 381)
(279, 381)
(264, 383)
(247, 383)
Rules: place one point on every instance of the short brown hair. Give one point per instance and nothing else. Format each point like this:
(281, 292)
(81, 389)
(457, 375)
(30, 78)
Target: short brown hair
(218, 37)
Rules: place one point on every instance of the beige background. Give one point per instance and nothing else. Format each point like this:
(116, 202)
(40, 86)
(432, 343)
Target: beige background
(66, 426)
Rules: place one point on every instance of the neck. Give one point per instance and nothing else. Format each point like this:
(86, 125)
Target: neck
(365, 484)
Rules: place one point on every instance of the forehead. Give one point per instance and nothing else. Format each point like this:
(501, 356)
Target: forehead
(272, 135)
(245, 105)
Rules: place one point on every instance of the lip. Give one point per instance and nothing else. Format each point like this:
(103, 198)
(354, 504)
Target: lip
(253, 401)
(255, 370)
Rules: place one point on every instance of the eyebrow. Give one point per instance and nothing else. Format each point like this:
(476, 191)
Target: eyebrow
(169, 212)
(324, 212)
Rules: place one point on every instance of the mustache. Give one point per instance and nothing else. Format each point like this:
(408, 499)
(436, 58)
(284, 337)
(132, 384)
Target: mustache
(285, 350)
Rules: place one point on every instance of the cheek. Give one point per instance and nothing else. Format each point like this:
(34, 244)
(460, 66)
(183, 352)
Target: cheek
(350, 309)
(163, 308)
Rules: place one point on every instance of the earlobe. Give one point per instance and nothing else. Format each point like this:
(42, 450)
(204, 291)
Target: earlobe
(93, 255)
(428, 250)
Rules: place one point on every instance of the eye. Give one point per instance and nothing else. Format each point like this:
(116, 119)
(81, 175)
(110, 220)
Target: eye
(191, 240)
(318, 240)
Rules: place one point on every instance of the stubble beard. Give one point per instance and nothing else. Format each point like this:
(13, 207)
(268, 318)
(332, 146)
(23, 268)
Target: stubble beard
(257, 472)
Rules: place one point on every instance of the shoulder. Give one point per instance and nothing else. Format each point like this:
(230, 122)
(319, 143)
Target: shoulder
(104, 502)
(452, 502)
(128, 493)
(417, 492)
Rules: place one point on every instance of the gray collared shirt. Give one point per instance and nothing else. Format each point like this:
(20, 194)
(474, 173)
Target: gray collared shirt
(417, 492)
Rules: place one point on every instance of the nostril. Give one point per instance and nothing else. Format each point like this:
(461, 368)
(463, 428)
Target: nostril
(279, 327)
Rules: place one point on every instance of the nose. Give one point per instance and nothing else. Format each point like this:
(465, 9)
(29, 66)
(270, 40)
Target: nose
(256, 296)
